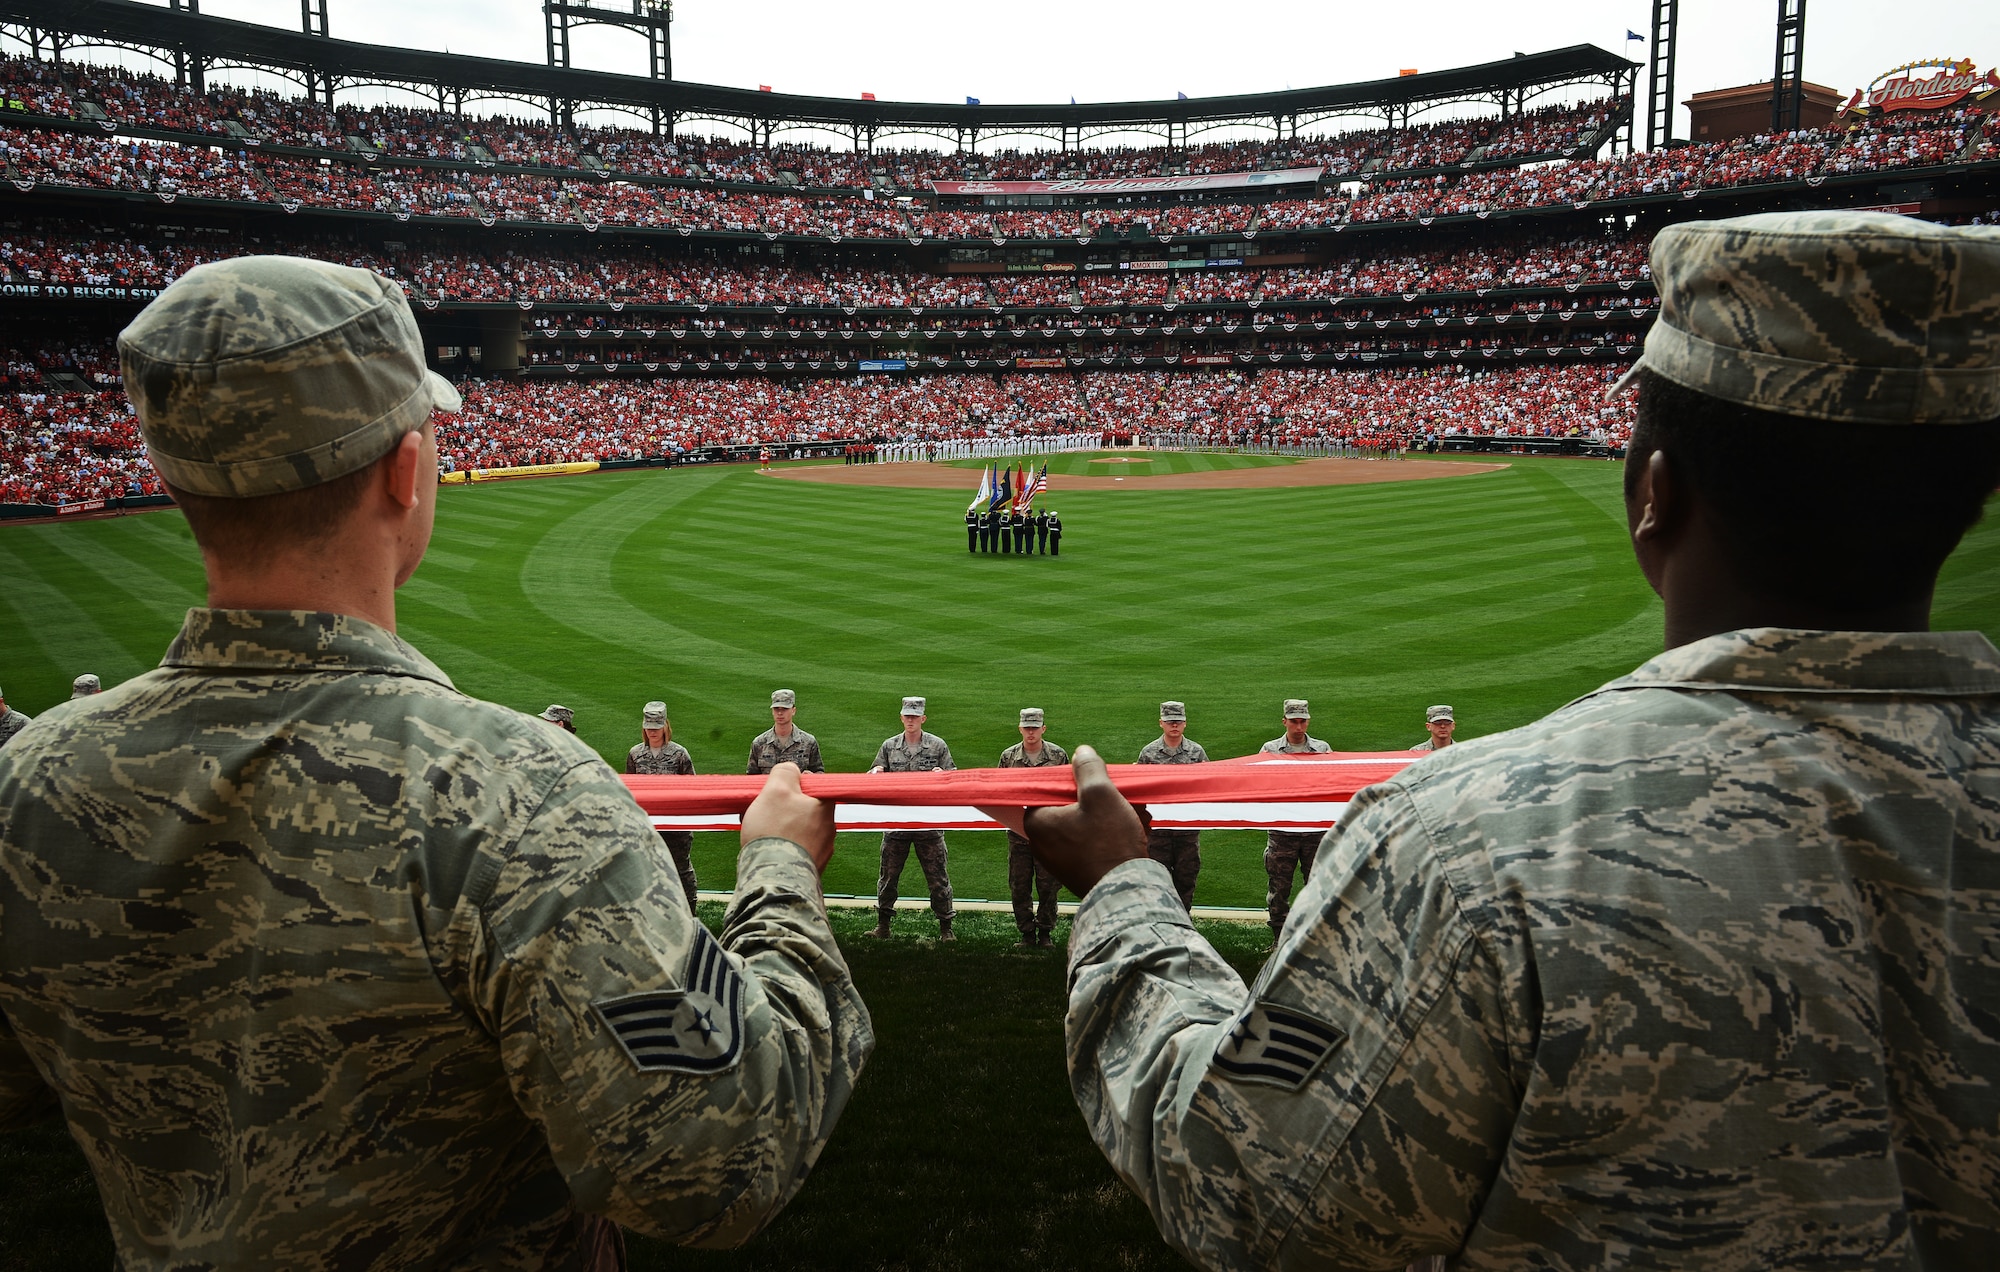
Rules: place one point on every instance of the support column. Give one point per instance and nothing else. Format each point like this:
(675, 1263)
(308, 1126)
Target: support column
(499, 342)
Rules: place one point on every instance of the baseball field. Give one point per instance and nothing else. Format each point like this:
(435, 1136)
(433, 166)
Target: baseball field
(1504, 592)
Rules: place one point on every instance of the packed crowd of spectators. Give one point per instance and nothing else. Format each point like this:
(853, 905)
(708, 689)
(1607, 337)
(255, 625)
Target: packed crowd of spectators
(58, 447)
(219, 172)
(57, 252)
(64, 447)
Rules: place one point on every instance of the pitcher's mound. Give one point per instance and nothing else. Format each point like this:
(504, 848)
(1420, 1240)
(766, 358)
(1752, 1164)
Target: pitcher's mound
(1307, 472)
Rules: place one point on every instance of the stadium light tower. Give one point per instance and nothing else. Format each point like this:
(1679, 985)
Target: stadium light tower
(312, 20)
(650, 18)
(1660, 76)
(1788, 85)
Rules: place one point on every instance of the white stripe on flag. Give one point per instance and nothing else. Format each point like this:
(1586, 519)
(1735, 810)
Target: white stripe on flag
(1220, 816)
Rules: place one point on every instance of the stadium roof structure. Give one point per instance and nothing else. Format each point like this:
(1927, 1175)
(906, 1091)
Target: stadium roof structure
(224, 42)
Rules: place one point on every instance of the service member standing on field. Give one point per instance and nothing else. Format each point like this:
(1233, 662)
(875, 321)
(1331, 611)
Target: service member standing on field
(971, 530)
(985, 530)
(560, 716)
(332, 966)
(1439, 721)
(1027, 878)
(656, 753)
(1284, 851)
(11, 721)
(1055, 533)
(913, 751)
(1022, 544)
(1178, 850)
(1696, 972)
(1042, 531)
(783, 743)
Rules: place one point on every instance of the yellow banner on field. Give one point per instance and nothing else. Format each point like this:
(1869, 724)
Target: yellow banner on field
(465, 476)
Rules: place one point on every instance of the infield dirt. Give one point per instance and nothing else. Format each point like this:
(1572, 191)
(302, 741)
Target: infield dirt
(1307, 472)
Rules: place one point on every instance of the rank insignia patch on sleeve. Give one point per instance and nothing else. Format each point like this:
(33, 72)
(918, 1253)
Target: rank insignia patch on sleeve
(1277, 1046)
(697, 1029)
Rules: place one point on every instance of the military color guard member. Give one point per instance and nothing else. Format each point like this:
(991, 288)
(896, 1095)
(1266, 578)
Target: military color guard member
(11, 721)
(331, 966)
(1026, 877)
(1439, 721)
(1178, 850)
(1697, 971)
(913, 751)
(783, 743)
(1284, 851)
(656, 752)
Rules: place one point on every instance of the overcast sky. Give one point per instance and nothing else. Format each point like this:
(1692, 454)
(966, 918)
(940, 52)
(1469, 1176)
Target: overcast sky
(1051, 50)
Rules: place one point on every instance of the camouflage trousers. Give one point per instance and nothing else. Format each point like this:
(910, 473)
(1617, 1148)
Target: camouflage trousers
(680, 844)
(1180, 852)
(1028, 879)
(929, 846)
(1284, 853)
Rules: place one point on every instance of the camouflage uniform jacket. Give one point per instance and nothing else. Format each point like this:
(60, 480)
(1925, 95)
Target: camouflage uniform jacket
(11, 723)
(1016, 756)
(1158, 752)
(1278, 746)
(768, 751)
(928, 755)
(670, 759)
(1426, 746)
(333, 966)
(1695, 972)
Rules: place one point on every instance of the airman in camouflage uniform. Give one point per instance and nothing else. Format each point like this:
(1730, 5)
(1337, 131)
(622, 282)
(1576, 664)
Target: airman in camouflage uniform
(560, 716)
(656, 752)
(1284, 851)
(331, 966)
(1024, 873)
(1441, 724)
(783, 743)
(1697, 971)
(11, 721)
(913, 751)
(1178, 850)
(84, 686)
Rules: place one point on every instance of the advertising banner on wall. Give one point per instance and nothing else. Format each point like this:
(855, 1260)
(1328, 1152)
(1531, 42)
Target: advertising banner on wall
(1137, 185)
(1908, 87)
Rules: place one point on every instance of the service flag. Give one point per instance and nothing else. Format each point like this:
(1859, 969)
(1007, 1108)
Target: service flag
(985, 494)
(1002, 493)
(1022, 491)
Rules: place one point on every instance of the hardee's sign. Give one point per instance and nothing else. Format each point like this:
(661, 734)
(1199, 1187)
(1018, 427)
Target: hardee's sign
(1895, 90)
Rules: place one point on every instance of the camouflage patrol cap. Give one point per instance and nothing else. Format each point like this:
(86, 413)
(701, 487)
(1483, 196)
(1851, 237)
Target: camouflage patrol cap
(1031, 717)
(267, 374)
(85, 685)
(1435, 714)
(556, 714)
(784, 698)
(1295, 709)
(1173, 711)
(1861, 317)
(913, 706)
(653, 716)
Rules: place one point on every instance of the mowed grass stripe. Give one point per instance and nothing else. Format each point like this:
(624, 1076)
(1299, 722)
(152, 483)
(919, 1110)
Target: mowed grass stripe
(116, 561)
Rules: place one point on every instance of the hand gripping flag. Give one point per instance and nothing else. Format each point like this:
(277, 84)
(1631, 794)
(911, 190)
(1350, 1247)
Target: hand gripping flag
(1257, 792)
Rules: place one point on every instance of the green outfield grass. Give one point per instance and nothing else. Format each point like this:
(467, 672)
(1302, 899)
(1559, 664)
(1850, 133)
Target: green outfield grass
(1505, 594)
(1127, 463)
